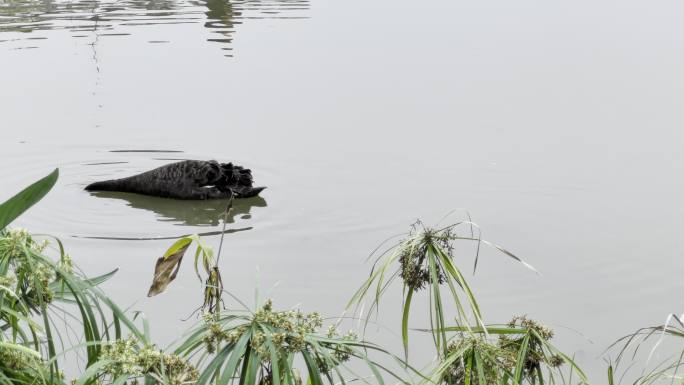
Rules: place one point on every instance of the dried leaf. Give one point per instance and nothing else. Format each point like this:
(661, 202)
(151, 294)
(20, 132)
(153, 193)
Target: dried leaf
(166, 269)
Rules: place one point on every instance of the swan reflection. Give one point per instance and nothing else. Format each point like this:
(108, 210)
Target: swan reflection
(190, 212)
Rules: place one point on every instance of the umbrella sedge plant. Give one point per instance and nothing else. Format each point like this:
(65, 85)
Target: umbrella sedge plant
(266, 346)
(516, 353)
(46, 304)
(648, 341)
(424, 260)
(261, 346)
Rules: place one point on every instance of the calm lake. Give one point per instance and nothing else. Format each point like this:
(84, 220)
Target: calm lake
(557, 126)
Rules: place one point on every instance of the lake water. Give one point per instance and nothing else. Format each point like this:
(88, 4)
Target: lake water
(558, 126)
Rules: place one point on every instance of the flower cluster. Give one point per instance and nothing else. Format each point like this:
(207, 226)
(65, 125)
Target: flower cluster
(288, 330)
(285, 331)
(66, 264)
(28, 277)
(15, 359)
(340, 351)
(16, 239)
(502, 356)
(536, 355)
(127, 358)
(215, 334)
(37, 278)
(492, 356)
(415, 271)
(8, 281)
(523, 322)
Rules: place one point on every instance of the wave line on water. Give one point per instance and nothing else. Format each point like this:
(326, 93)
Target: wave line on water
(205, 234)
(163, 151)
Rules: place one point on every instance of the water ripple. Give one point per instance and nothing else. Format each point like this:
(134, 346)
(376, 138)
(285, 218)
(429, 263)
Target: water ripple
(101, 215)
(125, 17)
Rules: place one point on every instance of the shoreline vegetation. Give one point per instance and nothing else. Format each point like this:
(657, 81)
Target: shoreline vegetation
(52, 316)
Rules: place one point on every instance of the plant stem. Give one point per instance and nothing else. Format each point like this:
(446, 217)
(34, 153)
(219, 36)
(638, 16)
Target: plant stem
(223, 232)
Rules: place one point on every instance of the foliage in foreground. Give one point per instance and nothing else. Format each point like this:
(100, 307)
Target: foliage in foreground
(648, 341)
(261, 346)
(425, 259)
(521, 353)
(230, 346)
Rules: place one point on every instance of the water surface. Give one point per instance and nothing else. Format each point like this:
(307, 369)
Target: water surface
(557, 126)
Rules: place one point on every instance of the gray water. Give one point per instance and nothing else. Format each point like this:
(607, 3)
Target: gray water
(557, 126)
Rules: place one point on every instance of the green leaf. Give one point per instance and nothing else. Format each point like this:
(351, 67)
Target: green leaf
(520, 362)
(611, 379)
(212, 368)
(441, 338)
(62, 293)
(404, 321)
(121, 380)
(92, 372)
(178, 245)
(565, 357)
(314, 372)
(29, 196)
(239, 351)
(469, 369)
(251, 365)
(19, 348)
(274, 362)
(479, 365)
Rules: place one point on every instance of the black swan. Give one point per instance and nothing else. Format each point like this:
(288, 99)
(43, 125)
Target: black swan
(188, 179)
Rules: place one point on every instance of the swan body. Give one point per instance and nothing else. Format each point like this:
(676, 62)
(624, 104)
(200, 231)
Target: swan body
(188, 179)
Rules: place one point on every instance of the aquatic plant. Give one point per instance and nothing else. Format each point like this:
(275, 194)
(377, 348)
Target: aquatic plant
(167, 266)
(36, 291)
(521, 354)
(118, 352)
(22, 201)
(128, 358)
(262, 347)
(21, 365)
(649, 340)
(426, 260)
(259, 346)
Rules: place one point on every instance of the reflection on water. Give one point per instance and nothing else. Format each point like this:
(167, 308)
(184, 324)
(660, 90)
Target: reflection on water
(187, 213)
(204, 234)
(146, 151)
(97, 18)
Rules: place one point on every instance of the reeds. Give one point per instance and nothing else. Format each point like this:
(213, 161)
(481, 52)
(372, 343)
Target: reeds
(648, 341)
(521, 354)
(250, 347)
(261, 345)
(36, 292)
(424, 259)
